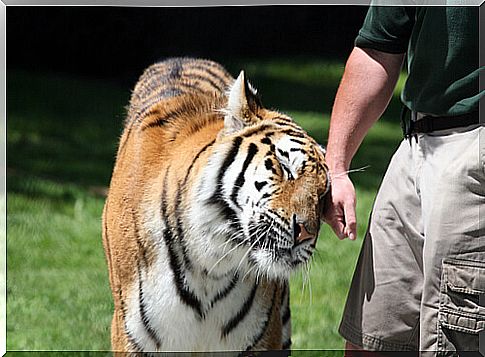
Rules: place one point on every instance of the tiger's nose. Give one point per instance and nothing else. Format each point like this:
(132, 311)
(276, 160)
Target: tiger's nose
(300, 232)
(303, 233)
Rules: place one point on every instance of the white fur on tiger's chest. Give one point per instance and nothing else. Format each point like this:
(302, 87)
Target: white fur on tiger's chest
(165, 319)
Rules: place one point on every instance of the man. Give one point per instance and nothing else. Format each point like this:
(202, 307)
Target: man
(422, 265)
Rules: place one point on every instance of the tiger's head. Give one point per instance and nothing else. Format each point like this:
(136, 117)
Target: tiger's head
(260, 196)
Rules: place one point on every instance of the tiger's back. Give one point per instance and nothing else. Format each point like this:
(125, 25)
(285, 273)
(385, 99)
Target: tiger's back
(174, 78)
(180, 257)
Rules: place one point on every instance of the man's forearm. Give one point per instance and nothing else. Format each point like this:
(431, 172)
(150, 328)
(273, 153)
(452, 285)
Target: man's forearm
(364, 93)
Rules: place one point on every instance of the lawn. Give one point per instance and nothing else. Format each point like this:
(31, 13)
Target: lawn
(62, 135)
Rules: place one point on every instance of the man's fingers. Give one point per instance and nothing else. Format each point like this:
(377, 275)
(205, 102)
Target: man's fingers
(336, 217)
(350, 220)
(339, 228)
(339, 210)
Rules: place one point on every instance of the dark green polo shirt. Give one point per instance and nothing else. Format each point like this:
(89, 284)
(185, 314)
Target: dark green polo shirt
(442, 54)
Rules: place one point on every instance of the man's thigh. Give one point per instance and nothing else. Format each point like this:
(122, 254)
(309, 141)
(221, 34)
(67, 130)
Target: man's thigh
(452, 189)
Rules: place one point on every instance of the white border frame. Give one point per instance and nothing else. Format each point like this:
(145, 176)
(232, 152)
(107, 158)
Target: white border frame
(177, 3)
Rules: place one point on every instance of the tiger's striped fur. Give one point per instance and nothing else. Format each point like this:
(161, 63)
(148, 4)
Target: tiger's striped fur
(213, 202)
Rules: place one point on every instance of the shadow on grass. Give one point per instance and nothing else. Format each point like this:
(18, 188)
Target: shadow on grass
(62, 129)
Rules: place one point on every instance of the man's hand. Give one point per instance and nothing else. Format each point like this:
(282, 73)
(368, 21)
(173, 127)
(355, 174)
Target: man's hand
(339, 210)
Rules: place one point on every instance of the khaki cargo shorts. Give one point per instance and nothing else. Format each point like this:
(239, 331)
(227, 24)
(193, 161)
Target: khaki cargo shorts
(421, 270)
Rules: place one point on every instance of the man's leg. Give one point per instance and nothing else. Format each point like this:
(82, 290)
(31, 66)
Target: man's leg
(452, 186)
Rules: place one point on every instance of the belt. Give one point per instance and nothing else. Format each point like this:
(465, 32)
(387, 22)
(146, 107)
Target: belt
(429, 123)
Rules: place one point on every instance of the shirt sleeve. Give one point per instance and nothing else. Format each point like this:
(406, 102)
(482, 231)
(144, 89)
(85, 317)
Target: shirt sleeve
(387, 28)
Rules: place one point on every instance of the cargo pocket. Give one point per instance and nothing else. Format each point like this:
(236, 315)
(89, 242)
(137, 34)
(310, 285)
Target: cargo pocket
(461, 316)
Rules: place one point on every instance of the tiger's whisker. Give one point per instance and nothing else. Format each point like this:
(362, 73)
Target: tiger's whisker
(249, 271)
(225, 255)
(360, 169)
(249, 249)
(302, 286)
(238, 234)
(307, 270)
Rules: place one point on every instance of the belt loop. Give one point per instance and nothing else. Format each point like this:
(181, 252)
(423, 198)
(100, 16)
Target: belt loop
(414, 116)
(405, 122)
(412, 125)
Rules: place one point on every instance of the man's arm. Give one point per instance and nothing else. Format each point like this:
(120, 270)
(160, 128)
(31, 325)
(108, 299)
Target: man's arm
(364, 93)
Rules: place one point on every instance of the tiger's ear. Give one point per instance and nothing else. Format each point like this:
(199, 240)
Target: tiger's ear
(242, 106)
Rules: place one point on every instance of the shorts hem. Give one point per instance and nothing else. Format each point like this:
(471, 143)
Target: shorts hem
(356, 337)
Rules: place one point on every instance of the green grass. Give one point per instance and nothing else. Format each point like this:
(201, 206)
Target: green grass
(62, 135)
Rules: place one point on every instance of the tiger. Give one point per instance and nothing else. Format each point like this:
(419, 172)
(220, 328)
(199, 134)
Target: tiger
(213, 202)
